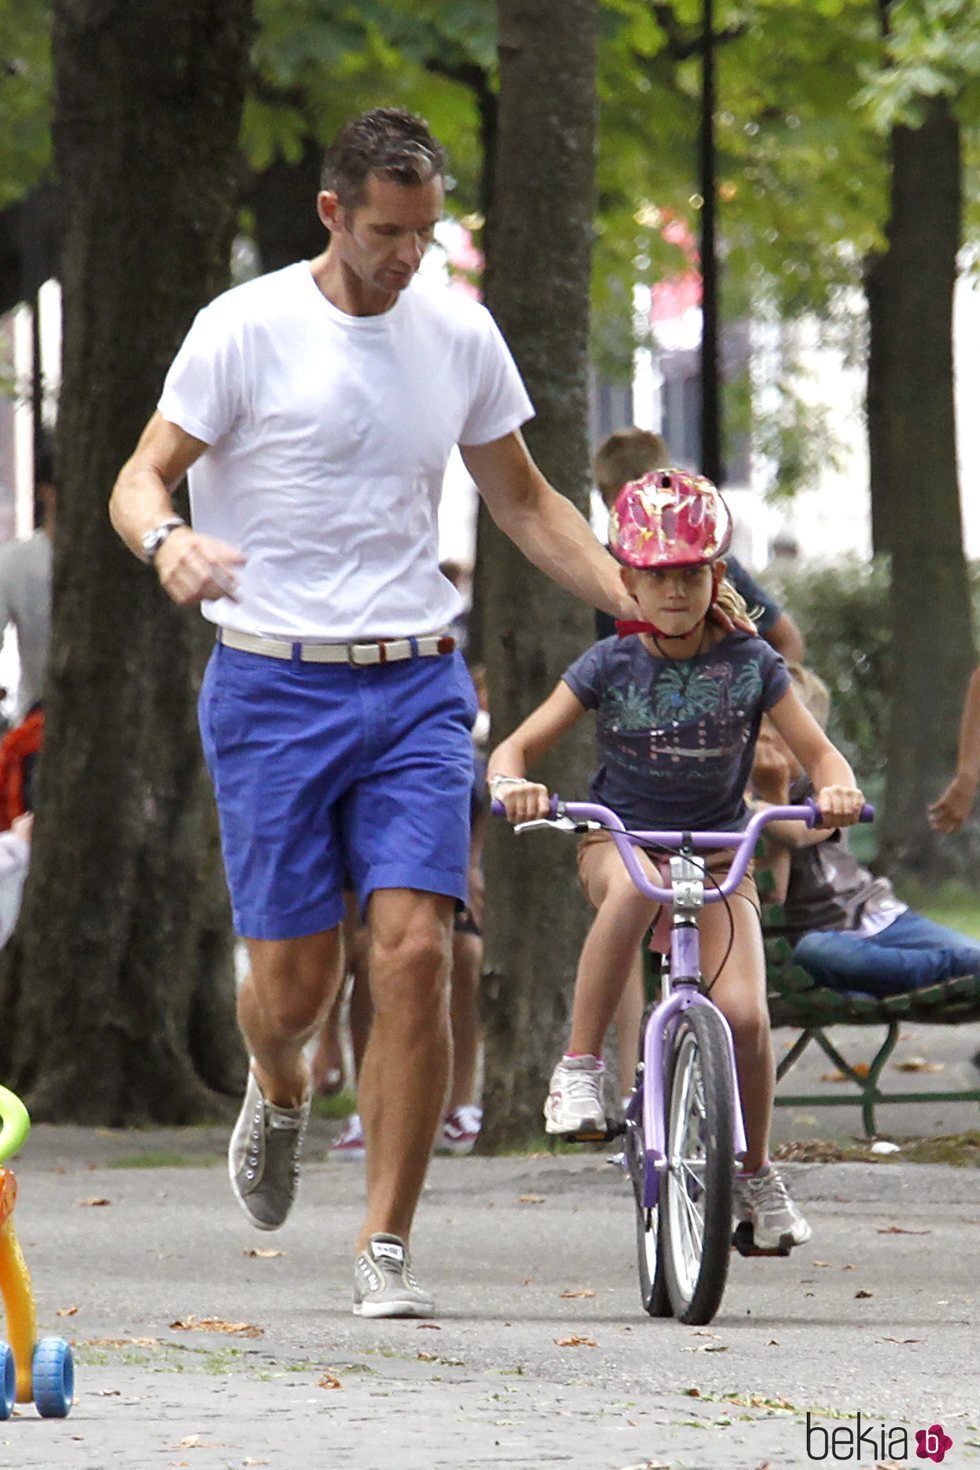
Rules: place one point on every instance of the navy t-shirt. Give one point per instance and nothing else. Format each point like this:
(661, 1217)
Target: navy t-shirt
(676, 739)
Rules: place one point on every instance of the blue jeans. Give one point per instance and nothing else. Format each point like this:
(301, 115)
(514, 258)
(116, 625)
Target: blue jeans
(911, 952)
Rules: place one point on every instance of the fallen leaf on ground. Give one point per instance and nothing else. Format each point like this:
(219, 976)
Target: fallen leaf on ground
(833, 1076)
(530, 1199)
(900, 1230)
(215, 1324)
(819, 1263)
(571, 1295)
(94, 1202)
(692, 1393)
(705, 1347)
(575, 1342)
(329, 1380)
(899, 1339)
(862, 1294)
(427, 1357)
(260, 1253)
(193, 1442)
(66, 1312)
(919, 1064)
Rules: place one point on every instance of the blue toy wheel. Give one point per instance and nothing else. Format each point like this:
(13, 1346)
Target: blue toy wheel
(8, 1380)
(54, 1378)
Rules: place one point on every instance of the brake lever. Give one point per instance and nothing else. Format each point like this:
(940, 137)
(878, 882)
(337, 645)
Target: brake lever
(557, 824)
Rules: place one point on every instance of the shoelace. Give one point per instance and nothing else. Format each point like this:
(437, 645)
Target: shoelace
(579, 1084)
(769, 1190)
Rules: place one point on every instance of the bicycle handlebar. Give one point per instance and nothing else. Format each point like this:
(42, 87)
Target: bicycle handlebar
(743, 842)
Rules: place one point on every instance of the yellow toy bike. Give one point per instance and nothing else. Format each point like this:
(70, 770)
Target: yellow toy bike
(43, 1372)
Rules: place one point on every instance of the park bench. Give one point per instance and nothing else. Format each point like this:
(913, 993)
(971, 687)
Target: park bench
(798, 1001)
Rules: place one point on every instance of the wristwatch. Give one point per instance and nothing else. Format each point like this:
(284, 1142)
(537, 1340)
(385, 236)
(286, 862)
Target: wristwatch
(153, 540)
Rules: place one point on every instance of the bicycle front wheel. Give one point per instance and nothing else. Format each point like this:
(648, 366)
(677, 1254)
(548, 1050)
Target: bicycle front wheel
(697, 1193)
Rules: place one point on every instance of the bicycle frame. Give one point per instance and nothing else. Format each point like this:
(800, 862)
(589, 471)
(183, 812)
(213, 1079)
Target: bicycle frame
(686, 896)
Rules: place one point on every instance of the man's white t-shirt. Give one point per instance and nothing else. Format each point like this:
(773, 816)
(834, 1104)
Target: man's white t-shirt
(329, 436)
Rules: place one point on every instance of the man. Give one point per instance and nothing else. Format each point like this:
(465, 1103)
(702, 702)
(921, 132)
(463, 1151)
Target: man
(315, 409)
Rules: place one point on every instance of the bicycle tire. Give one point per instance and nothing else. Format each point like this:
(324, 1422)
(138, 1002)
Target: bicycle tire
(649, 1236)
(697, 1192)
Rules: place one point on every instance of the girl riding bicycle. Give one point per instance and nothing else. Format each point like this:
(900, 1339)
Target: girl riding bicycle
(679, 695)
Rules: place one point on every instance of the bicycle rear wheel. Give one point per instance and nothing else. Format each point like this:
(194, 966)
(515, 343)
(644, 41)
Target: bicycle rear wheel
(696, 1197)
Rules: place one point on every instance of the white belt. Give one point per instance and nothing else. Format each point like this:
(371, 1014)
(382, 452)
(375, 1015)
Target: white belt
(358, 655)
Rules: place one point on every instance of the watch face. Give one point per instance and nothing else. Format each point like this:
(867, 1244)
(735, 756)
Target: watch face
(154, 539)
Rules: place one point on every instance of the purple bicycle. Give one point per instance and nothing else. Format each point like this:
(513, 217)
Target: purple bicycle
(683, 1123)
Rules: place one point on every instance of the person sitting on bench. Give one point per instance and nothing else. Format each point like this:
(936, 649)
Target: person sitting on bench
(849, 929)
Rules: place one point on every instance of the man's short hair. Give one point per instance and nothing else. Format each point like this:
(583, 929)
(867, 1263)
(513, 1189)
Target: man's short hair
(813, 692)
(626, 455)
(390, 141)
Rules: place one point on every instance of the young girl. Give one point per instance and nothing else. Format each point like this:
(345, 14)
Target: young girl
(679, 696)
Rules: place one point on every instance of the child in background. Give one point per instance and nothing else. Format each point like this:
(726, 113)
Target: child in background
(679, 696)
(848, 927)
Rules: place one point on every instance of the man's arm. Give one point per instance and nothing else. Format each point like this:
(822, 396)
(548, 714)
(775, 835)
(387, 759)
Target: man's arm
(950, 811)
(544, 524)
(191, 567)
(786, 638)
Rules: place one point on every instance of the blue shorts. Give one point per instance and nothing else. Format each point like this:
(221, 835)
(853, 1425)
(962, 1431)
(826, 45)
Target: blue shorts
(325, 773)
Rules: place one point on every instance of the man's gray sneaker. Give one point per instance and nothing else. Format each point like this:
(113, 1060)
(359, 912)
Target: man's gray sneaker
(383, 1282)
(263, 1157)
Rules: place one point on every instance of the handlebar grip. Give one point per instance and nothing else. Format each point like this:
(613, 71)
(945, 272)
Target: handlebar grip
(553, 807)
(867, 813)
(498, 809)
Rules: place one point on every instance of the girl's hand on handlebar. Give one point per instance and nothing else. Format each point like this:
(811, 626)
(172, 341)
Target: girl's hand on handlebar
(840, 806)
(524, 801)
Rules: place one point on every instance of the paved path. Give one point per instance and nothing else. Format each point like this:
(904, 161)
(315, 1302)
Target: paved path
(540, 1355)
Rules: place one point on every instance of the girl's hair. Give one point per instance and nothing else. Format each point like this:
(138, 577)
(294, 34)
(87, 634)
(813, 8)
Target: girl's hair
(733, 603)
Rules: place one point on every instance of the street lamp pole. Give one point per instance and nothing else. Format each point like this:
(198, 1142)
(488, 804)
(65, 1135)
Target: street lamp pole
(711, 434)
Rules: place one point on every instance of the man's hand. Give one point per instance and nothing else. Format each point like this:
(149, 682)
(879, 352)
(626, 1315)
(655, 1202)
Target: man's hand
(194, 568)
(954, 806)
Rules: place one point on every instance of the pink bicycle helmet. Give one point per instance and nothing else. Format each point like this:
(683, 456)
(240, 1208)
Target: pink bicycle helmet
(669, 518)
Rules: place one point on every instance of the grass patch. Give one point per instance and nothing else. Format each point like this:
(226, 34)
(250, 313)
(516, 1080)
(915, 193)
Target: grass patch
(959, 1149)
(954, 905)
(158, 1159)
(341, 1105)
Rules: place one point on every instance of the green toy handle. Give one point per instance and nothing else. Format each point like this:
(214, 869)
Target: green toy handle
(15, 1123)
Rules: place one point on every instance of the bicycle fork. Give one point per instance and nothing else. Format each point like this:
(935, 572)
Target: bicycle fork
(681, 991)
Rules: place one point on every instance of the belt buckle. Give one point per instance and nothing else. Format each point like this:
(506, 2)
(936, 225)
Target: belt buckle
(364, 655)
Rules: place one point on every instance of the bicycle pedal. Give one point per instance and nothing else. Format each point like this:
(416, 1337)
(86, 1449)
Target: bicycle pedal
(595, 1135)
(743, 1240)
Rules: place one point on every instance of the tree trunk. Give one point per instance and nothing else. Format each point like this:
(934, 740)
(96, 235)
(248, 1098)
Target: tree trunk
(912, 435)
(542, 243)
(117, 994)
(283, 200)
